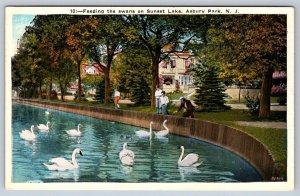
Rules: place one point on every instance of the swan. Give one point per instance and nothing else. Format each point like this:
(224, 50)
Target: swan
(126, 156)
(163, 133)
(43, 127)
(143, 133)
(47, 112)
(28, 135)
(61, 164)
(191, 160)
(74, 132)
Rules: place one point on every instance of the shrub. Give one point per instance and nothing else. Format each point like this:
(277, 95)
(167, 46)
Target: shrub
(252, 102)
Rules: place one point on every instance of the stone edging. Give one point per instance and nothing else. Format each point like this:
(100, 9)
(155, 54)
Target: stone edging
(227, 137)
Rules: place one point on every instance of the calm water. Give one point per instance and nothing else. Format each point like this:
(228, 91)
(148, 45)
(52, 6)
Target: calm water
(101, 142)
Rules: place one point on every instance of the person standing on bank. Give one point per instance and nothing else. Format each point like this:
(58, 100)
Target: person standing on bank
(117, 95)
(157, 99)
(164, 100)
(187, 106)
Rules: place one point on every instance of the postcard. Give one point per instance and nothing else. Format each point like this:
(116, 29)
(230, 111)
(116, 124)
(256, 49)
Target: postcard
(149, 98)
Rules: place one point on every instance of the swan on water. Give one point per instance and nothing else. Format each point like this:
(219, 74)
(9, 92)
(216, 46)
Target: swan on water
(74, 132)
(191, 160)
(126, 156)
(43, 127)
(143, 133)
(61, 164)
(47, 112)
(28, 135)
(164, 132)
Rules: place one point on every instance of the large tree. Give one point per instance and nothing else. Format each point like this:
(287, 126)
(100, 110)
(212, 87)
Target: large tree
(251, 45)
(154, 32)
(132, 74)
(106, 42)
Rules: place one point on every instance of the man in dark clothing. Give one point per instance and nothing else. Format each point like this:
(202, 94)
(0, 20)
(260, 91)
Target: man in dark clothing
(187, 106)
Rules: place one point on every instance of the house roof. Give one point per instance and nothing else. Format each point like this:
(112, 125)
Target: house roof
(95, 66)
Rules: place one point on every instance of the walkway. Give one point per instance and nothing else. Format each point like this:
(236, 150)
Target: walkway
(276, 125)
(274, 107)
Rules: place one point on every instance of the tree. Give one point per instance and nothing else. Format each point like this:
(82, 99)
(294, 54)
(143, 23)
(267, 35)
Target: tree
(66, 74)
(79, 31)
(100, 89)
(210, 89)
(132, 74)
(50, 31)
(154, 32)
(254, 45)
(105, 44)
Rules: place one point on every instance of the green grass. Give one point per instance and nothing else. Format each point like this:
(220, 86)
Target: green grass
(173, 96)
(243, 101)
(274, 139)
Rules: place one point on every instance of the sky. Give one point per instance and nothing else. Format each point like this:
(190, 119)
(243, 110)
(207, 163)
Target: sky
(20, 21)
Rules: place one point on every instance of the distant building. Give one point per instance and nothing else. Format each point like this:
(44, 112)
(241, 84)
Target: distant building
(87, 70)
(92, 69)
(174, 72)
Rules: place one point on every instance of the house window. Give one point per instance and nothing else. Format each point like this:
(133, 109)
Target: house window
(187, 64)
(168, 81)
(173, 63)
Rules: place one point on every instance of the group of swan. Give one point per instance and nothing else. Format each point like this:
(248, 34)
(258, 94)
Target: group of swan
(29, 135)
(162, 133)
(191, 160)
(126, 156)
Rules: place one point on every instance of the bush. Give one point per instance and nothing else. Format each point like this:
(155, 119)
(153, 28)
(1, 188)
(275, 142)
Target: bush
(252, 102)
(281, 100)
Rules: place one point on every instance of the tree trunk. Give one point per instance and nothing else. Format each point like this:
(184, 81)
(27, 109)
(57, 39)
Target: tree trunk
(40, 90)
(107, 94)
(62, 93)
(265, 94)
(79, 80)
(155, 78)
(239, 94)
(50, 89)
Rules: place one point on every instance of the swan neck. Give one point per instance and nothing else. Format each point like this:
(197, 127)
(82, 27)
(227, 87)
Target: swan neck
(182, 152)
(78, 128)
(164, 124)
(150, 131)
(31, 129)
(74, 158)
(124, 146)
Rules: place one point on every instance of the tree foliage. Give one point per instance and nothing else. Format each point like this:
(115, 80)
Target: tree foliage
(131, 73)
(210, 89)
(248, 47)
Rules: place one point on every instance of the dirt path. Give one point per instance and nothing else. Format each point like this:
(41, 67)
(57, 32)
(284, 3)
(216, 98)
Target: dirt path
(278, 125)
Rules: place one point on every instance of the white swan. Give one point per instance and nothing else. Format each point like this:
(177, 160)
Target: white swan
(126, 156)
(163, 133)
(28, 135)
(61, 164)
(47, 112)
(74, 132)
(191, 160)
(43, 127)
(143, 133)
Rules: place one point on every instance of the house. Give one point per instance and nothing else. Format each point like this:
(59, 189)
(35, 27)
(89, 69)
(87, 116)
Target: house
(174, 72)
(92, 69)
(87, 70)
